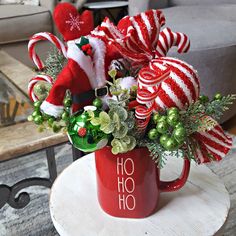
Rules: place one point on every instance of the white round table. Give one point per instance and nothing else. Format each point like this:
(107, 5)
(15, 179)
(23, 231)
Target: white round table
(200, 208)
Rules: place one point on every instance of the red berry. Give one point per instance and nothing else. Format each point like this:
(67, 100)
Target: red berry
(84, 47)
(89, 52)
(82, 132)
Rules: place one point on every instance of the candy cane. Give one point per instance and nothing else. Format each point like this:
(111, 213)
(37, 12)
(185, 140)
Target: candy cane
(44, 36)
(34, 81)
(168, 38)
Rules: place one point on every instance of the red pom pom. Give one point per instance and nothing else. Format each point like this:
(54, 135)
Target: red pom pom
(82, 132)
(70, 24)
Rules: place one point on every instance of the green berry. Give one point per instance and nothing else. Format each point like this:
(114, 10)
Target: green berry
(36, 113)
(37, 104)
(162, 118)
(179, 134)
(67, 102)
(153, 134)
(218, 96)
(56, 128)
(30, 118)
(163, 139)
(50, 121)
(172, 110)
(40, 129)
(65, 116)
(162, 127)
(97, 102)
(156, 117)
(46, 116)
(203, 99)
(38, 120)
(179, 124)
(173, 119)
(171, 144)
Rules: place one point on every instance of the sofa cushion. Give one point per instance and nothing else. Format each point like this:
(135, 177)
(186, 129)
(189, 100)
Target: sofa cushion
(201, 2)
(19, 22)
(207, 26)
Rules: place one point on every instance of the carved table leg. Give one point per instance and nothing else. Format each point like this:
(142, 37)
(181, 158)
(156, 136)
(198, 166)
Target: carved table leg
(10, 194)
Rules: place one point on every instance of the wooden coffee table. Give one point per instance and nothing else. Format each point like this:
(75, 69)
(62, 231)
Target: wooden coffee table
(18, 136)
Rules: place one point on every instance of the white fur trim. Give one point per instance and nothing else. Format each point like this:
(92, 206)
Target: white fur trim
(94, 69)
(99, 50)
(128, 82)
(82, 60)
(51, 109)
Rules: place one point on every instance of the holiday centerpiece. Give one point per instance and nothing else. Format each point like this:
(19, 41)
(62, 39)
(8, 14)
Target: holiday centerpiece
(115, 92)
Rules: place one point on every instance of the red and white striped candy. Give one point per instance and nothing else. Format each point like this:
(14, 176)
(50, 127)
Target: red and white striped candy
(166, 82)
(168, 38)
(44, 36)
(181, 88)
(34, 81)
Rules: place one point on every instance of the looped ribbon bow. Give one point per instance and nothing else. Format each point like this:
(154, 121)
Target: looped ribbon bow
(162, 82)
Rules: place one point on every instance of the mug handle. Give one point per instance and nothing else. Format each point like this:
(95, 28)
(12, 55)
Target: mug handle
(170, 186)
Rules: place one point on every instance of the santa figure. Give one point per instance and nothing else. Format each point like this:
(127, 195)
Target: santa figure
(88, 57)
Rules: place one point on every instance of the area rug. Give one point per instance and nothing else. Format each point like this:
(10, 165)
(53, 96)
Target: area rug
(34, 219)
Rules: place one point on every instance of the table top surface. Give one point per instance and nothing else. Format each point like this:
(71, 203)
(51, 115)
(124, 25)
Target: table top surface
(106, 4)
(199, 208)
(19, 137)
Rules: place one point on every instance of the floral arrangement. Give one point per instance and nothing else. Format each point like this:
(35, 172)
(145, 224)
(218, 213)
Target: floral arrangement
(150, 100)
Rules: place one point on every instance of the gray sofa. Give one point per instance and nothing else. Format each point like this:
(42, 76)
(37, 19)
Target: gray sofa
(211, 27)
(19, 22)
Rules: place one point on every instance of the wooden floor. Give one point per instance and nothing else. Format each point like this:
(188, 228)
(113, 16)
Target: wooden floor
(230, 125)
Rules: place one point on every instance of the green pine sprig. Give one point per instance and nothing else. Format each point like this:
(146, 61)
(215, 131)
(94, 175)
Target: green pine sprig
(54, 63)
(216, 108)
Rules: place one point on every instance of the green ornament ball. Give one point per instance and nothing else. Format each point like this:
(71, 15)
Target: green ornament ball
(179, 134)
(85, 136)
(153, 134)
(173, 119)
(65, 115)
(97, 102)
(203, 99)
(162, 127)
(172, 110)
(218, 96)
(38, 120)
(163, 139)
(171, 144)
(156, 117)
(67, 102)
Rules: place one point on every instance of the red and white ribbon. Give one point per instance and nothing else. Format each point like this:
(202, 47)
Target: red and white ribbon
(34, 81)
(168, 38)
(148, 81)
(44, 36)
(213, 145)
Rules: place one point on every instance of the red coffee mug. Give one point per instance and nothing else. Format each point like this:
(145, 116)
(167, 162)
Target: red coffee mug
(128, 184)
